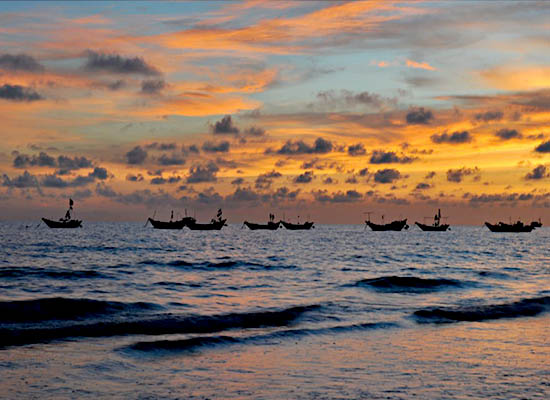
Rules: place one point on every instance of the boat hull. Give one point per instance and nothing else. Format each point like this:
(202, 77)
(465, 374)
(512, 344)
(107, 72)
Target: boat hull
(270, 226)
(431, 228)
(509, 228)
(73, 223)
(213, 226)
(167, 225)
(392, 226)
(297, 227)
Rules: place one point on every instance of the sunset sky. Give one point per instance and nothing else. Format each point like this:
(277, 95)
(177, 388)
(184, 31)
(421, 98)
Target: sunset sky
(327, 109)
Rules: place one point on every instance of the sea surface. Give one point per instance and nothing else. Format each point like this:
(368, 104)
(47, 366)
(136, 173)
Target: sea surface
(119, 310)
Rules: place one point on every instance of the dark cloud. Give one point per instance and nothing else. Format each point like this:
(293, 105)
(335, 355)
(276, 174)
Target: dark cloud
(423, 186)
(387, 175)
(544, 147)
(430, 175)
(222, 162)
(338, 197)
(351, 179)
(243, 195)
(419, 116)
(136, 156)
(40, 160)
(254, 131)
(538, 172)
(55, 181)
(20, 62)
(26, 180)
(173, 159)
(161, 146)
(456, 175)
(306, 177)
(363, 172)
(117, 64)
(225, 127)
(190, 149)
(67, 164)
(489, 116)
(264, 181)
(328, 181)
(203, 173)
(498, 197)
(64, 163)
(507, 134)
(103, 190)
(99, 173)
(238, 181)
(320, 146)
(221, 147)
(19, 93)
(453, 138)
(159, 180)
(134, 178)
(346, 98)
(388, 157)
(285, 194)
(152, 86)
(356, 150)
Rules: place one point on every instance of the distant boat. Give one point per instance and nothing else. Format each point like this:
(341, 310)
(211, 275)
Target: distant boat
(270, 226)
(516, 227)
(178, 224)
(213, 225)
(73, 223)
(392, 226)
(66, 222)
(436, 226)
(297, 227)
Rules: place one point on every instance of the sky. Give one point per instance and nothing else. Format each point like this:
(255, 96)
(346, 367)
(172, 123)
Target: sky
(322, 110)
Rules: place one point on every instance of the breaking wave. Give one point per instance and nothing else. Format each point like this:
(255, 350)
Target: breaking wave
(521, 308)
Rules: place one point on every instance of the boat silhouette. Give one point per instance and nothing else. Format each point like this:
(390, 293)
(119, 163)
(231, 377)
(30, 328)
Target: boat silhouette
(178, 224)
(213, 225)
(396, 225)
(436, 226)
(297, 227)
(270, 226)
(516, 227)
(65, 222)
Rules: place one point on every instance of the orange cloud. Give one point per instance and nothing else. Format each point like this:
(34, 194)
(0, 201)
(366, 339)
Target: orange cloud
(421, 65)
(517, 78)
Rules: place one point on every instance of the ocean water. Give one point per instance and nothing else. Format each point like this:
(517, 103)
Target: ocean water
(122, 311)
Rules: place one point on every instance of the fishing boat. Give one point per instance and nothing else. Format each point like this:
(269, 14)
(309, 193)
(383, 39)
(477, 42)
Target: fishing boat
(65, 222)
(270, 226)
(213, 225)
(516, 227)
(297, 227)
(436, 226)
(397, 225)
(178, 224)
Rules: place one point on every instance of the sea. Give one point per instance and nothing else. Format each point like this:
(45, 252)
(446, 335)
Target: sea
(123, 311)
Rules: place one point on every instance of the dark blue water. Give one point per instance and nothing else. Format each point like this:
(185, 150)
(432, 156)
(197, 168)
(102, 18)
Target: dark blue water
(123, 311)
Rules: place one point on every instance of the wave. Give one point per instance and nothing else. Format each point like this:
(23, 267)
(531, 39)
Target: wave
(60, 308)
(521, 308)
(209, 341)
(209, 265)
(25, 272)
(160, 325)
(408, 283)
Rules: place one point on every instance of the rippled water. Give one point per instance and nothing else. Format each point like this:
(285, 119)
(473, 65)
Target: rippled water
(123, 311)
